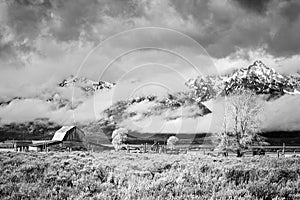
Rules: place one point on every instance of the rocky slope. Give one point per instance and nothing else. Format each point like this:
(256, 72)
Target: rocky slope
(261, 79)
(168, 108)
(39, 129)
(182, 105)
(85, 84)
(256, 77)
(61, 95)
(152, 105)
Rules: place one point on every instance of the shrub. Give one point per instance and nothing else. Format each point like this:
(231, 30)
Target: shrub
(172, 141)
(119, 136)
(160, 176)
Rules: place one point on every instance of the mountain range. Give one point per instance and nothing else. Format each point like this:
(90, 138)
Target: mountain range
(257, 77)
(172, 107)
(86, 85)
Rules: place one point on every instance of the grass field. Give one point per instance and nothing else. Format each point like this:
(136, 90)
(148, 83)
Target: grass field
(111, 175)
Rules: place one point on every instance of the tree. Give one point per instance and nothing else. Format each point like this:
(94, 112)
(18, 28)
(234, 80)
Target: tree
(119, 136)
(172, 141)
(242, 121)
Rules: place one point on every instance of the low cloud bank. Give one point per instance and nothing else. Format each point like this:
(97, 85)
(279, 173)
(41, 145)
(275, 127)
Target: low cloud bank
(278, 115)
(282, 114)
(89, 108)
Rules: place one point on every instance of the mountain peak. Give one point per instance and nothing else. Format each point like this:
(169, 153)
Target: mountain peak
(259, 78)
(258, 63)
(260, 66)
(85, 84)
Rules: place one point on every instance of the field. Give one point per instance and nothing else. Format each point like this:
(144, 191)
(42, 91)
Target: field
(119, 175)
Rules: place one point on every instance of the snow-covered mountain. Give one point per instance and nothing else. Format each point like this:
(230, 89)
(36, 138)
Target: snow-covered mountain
(63, 96)
(261, 79)
(5, 103)
(146, 113)
(137, 112)
(154, 106)
(205, 87)
(86, 85)
(256, 77)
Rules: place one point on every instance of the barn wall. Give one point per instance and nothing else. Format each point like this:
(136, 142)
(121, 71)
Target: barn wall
(75, 135)
(75, 138)
(81, 135)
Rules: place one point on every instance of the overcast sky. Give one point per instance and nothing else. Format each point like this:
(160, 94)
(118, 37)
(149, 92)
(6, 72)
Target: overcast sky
(45, 40)
(137, 42)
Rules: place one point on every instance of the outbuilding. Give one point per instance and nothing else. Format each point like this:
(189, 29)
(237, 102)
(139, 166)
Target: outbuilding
(66, 138)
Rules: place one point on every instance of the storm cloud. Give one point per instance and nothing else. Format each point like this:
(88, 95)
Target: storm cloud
(257, 6)
(221, 27)
(43, 42)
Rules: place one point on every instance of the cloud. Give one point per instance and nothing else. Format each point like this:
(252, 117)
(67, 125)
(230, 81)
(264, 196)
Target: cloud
(89, 109)
(290, 10)
(286, 41)
(45, 41)
(186, 119)
(44, 73)
(221, 27)
(257, 6)
(282, 114)
(24, 110)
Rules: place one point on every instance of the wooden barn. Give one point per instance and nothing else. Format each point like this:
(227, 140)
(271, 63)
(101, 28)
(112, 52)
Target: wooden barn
(66, 138)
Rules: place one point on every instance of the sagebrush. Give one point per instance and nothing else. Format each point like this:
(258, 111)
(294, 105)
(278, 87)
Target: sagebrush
(118, 175)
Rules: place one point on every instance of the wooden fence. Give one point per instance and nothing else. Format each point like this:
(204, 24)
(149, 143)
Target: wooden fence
(209, 149)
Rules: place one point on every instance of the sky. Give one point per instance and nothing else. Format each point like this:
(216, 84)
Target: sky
(143, 45)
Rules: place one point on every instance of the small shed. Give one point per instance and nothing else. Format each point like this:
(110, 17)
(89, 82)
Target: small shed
(17, 145)
(22, 145)
(42, 145)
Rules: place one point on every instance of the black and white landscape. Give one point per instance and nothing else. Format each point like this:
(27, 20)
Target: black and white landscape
(128, 99)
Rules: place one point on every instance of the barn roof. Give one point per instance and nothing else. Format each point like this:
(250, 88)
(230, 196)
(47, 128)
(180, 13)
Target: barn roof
(61, 133)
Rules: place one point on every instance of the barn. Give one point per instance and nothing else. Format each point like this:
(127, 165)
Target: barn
(66, 138)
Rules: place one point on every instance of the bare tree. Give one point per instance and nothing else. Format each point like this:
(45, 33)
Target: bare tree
(242, 121)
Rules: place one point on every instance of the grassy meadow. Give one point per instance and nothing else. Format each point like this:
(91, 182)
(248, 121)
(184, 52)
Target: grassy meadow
(120, 175)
